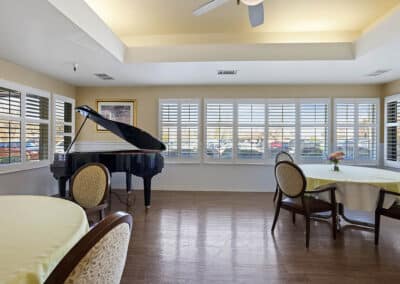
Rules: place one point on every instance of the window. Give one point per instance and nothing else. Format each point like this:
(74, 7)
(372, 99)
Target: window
(250, 131)
(64, 120)
(179, 128)
(10, 126)
(357, 128)
(314, 130)
(281, 127)
(255, 130)
(219, 130)
(24, 125)
(37, 127)
(392, 131)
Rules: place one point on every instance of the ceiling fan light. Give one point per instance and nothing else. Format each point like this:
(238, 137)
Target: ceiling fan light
(251, 2)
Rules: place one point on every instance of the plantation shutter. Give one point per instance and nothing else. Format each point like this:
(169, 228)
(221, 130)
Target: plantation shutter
(179, 128)
(250, 131)
(357, 128)
(314, 127)
(37, 128)
(281, 128)
(219, 130)
(63, 110)
(10, 126)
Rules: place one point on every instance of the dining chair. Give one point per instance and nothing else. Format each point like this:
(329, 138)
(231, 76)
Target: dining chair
(293, 197)
(392, 212)
(100, 256)
(90, 186)
(281, 156)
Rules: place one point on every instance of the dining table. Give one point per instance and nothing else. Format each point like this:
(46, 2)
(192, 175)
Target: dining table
(36, 232)
(357, 187)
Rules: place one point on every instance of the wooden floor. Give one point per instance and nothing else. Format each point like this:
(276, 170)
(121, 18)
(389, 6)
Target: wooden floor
(221, 237)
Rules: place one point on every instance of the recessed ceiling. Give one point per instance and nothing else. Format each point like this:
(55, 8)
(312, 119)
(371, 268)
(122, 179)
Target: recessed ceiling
(129, 18)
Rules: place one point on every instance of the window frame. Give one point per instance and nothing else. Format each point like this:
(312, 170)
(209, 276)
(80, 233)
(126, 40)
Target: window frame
(356, 126)
(24, 164)
(179, 125)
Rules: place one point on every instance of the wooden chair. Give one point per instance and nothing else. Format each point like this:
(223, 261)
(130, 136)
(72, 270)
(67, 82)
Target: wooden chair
(100, 256)
(392, 212)
(282, 156)
(90, 186)
(292, 184)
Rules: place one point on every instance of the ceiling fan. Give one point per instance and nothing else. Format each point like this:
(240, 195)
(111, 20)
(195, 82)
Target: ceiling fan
(256, 9)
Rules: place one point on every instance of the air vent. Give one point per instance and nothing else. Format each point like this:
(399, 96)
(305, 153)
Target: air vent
(103, 76)
(378, 72)
(226, 72)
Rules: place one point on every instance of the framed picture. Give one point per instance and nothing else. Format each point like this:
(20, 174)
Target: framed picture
(118, 110)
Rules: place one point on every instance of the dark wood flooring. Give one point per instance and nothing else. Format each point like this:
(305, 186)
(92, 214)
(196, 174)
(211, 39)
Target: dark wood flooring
(224, 237)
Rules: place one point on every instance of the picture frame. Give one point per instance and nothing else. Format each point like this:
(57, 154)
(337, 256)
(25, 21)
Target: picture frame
(121, 110)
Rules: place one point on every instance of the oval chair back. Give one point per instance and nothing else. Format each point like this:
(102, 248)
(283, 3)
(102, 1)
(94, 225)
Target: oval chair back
(290, 179)
(99, 257)
(90, 185)
(283, 156)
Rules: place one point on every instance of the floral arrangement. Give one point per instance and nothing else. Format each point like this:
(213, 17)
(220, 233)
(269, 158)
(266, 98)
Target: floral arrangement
(335, 158)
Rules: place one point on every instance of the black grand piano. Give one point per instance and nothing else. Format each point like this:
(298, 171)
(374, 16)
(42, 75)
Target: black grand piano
(145, 163)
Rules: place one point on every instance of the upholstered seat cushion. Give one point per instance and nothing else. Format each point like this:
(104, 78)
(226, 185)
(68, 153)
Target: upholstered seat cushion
(314, 205)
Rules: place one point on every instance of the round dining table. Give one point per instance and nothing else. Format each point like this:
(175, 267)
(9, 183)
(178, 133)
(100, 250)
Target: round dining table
(36, 232)
(357, 188)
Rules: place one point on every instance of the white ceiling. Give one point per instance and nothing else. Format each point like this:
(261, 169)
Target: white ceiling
(160, 17)
(44, 39)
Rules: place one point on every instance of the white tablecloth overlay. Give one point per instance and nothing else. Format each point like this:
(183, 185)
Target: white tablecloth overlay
(357, 187)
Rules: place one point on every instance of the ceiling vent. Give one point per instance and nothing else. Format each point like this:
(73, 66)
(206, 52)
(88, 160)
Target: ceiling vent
(378, 72)
(226, 72)
(103, 76)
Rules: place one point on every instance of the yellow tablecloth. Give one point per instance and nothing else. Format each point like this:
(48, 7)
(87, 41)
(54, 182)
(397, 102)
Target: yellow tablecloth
(35, 233)
(357, 187)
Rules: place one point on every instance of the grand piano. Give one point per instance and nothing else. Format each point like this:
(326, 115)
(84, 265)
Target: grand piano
(145, 162)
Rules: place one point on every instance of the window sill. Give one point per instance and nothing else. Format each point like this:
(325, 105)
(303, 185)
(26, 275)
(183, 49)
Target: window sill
(7, 169)
(188, 162)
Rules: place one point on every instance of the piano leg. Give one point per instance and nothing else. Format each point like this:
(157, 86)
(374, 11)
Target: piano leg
(128, 176)
(62, 183)
(147, 191)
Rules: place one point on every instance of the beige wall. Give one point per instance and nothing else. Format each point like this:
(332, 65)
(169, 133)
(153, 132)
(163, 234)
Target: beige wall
(18, 74)
(391, 88)
(147, 99)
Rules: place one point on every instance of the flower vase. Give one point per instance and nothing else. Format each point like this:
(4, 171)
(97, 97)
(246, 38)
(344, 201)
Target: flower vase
(335, 167)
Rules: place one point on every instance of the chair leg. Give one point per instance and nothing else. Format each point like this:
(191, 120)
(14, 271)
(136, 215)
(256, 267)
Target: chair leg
(294, 217)
(377, 227)
(277, 209)
(276, 193)
(101, 214)
(307, 231)
(334, 222)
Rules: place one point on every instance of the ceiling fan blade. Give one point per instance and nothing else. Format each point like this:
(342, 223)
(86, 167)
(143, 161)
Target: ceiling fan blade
(256, 15)
(207, 7)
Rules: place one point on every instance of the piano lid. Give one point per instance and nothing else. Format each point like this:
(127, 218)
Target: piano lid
(131, 134)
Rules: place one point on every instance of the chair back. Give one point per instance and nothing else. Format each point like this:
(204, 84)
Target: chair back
(283, 156)
(90, 185)
(290, 179)
(99, 257)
